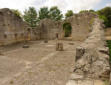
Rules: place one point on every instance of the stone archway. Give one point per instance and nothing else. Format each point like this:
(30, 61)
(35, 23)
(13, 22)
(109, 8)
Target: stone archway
(67, 29)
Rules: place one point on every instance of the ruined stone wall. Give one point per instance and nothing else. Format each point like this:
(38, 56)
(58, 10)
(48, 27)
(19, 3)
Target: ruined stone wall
(49, 29)
(81, 25)
(11, 27)
(35, 33)
(92, 58)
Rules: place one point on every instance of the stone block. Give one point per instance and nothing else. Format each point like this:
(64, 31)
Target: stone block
(25, 46)
(59, 46)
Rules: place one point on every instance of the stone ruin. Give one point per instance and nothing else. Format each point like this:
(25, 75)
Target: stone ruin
(49, 29)
(81, 25)
(11, 27)
(92, 57)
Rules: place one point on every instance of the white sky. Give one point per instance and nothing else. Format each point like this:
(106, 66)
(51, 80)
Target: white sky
(108, 4)
(64, 5)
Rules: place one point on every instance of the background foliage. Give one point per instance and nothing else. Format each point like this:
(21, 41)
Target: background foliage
(30, 16)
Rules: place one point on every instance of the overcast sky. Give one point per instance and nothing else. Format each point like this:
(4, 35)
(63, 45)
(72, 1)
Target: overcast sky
(64, 5)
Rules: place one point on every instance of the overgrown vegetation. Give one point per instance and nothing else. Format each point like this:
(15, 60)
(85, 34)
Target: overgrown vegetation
(109, 45)
(105, 14)
(67, 28)
(17, 12)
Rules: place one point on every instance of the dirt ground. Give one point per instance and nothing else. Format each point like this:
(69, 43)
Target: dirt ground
(40, 64)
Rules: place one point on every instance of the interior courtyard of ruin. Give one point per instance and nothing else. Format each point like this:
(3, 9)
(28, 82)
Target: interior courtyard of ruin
(30, 56)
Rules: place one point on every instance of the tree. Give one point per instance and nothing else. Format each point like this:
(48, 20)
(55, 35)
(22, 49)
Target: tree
(69, 13)
(91, 10)
(30, 16)
(105, 13)
(55, 13)
(16, 12)
(105, 19)
(43, 13)
(83, 11)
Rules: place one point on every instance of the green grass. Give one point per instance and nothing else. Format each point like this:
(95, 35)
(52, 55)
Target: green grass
(109, 45)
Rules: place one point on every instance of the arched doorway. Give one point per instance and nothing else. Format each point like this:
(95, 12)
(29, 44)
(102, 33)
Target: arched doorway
(67, 29)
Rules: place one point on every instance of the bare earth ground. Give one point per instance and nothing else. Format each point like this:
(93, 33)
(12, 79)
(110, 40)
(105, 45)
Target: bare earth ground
(38, 65)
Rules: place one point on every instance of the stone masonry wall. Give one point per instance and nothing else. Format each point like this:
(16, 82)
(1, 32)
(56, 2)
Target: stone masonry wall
(92, 58)
(49, 29)
(11, 27)
(81, 25)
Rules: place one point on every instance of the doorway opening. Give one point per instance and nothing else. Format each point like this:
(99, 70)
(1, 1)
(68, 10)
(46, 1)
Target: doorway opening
(67, 29)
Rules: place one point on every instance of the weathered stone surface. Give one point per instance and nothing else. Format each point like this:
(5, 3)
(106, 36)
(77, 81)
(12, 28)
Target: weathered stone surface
(86, 82)
(92, 57)
(81, 25)
(59, 47)
(76, 76)
(11, 27)
(25, 46)
(45, 41)
(110, 75)
(0, 52)
(49, 29)
(110, 78)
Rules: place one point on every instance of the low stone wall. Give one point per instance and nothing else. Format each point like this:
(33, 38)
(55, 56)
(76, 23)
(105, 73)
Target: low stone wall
(92, 58)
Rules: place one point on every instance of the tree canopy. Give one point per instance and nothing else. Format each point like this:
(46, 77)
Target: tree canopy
(43, 13)
(69, 13)
(30, 16)
(83, 11)
(55, 13)
(105, 14)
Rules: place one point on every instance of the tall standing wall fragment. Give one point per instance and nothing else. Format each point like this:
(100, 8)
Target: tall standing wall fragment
(11, 27)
